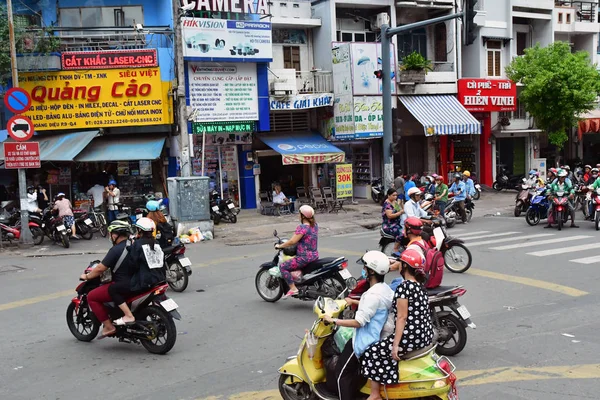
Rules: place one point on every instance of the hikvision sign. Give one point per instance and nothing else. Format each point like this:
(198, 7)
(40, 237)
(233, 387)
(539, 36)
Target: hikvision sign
(239, 6)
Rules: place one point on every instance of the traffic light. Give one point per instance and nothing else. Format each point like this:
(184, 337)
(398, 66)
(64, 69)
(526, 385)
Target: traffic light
(468, 23)
(378, 74)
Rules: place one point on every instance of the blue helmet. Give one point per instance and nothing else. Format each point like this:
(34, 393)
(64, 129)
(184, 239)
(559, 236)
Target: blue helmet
(112, 182)
(152, 205)
(532, 172)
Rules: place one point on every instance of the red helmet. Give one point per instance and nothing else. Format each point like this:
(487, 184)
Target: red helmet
(413, 225)
(413, 258)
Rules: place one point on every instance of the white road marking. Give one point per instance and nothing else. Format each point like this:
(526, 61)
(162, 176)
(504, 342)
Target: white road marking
(498, 241)
(540, 242)
(490, 236)
(587, 260)
(470, 233)
(562, 250)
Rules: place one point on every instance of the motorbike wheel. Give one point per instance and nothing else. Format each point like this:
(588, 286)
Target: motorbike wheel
(374, 197)
(233, 218)
(477, 195)
(496, 186)
(532, 217)
(85, 231)
(64, 239)
(452, 336)
(450, 222)
(597, 221)
(388, 249)
(165, 332)
(85, 329)
(103, 229)
(294, 390)
(177, 277)
(216, 219)
(469, 214)
(457, 261)
(38, 235)
(559, 220)
(518, 207)
(268, 286)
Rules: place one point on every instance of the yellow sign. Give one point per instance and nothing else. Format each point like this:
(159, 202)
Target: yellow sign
(97, 99)
(343, 180)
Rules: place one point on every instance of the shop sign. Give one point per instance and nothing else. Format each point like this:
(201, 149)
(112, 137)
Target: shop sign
(343, 179)
(84, 99)
(365, 60)
(226, 40)
(487, 95)
(212, 128)
(134, 58)
(344, 118)
(223, 92)
(342, 70)
(368, 117)
(302, 102)
(323, 158)
(234, 6)
(22, 155)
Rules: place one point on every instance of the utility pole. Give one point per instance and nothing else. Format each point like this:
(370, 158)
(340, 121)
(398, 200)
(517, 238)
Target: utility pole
(26, 237)
(184, 139)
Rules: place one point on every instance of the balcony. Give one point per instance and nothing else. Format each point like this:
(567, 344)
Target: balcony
(291, 82)
(440, 4)
(292, 14)
(576, 16)
(534, 4)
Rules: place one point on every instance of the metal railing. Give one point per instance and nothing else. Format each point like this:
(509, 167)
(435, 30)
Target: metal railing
(314, 81)
(585, 11)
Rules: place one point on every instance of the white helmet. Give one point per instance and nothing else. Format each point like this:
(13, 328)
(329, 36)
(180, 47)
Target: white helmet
(145, 224)
(377, 262)
(413, 190)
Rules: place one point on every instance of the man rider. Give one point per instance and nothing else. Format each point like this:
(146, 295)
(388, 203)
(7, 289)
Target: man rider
(412, 208)
(369, 321)
(563, 185)
(460, 194)
(469, 184)
(593, 177)
(534, 179)
(594, 184)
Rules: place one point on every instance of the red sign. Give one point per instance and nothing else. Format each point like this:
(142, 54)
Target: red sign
(20, 128)
(21, 155)
(140, 58)
(487, 95)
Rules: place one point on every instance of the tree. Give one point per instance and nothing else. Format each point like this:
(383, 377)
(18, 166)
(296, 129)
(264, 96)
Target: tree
(559, 85)
(4, 46)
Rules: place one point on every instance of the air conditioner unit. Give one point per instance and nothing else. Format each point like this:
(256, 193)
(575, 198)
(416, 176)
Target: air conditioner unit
(285, 82)
(380, 19)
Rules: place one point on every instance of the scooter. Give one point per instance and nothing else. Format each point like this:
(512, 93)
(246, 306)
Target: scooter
(560, 208)
(10, 227)
(538, 209)
(596, 204)
(178, 267)
(452, 212)
(523, 199)
(423, 374)
(377, 191)
(222, 209)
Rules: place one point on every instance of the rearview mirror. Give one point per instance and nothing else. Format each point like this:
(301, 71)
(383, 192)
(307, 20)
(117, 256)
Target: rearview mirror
(275, 233)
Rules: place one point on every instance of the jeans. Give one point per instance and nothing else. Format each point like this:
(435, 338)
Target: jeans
(441, 205)
(112, 215)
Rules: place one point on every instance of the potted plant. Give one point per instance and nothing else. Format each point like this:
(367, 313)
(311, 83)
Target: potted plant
(414, 68)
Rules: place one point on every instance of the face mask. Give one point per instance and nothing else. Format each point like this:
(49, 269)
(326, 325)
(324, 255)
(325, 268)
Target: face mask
(364, 273)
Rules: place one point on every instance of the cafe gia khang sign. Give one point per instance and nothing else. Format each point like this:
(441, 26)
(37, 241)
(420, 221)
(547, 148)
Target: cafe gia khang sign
(487, 95)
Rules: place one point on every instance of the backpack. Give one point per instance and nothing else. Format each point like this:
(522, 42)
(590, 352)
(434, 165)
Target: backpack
(165, 234)
(434, 266)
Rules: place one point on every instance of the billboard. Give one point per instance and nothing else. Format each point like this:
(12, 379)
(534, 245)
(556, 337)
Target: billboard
(487, 95)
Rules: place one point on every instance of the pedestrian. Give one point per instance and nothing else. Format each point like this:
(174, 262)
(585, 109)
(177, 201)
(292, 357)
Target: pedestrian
(42, 198)
(32, 203)
(97, 193)
(112, 199)
(410, 183)
(65, 211)
(399, 186)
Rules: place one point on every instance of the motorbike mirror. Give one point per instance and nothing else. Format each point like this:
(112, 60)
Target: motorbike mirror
(275, 233)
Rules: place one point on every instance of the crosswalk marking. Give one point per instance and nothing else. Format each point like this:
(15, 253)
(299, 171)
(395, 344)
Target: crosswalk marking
(539, 242)
(490, 236)
(468, 233)
(497, 241)
(586, 260)
(562, 250)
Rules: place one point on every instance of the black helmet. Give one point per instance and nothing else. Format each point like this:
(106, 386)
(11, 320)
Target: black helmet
(30, 187)
(458, 176)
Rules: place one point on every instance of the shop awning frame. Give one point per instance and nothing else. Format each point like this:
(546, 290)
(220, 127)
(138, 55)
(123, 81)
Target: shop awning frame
(123, 148)
(60, 147)
(303, 148)
(441, 115)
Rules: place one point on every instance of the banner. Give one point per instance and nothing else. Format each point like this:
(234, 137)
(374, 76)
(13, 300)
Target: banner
(107, 59)
(343, 179)
(323, 158)
(225, 40)
(223, 92)
(487, 95)
(85, 99)
(368, 117)
(302, 102)
(344, 118)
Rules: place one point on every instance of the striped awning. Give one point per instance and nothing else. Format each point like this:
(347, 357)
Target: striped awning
(441, 115)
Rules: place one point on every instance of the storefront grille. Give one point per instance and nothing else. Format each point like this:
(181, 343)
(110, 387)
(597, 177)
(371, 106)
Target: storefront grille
(296, 121)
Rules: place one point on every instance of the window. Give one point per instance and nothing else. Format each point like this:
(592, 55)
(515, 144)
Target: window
(22, 21)
(568, 18)
(521, 43)
(560, 18)
(91, 17)
(291, 57)
(494, 58)
(413, 41)
(356, 36)
(441, 52)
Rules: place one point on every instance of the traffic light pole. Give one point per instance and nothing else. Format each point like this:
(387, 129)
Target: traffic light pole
(386, 34)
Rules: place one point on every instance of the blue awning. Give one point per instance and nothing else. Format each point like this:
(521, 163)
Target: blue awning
(441, 115)
(123, 148)
(62, 146)
(304, 148)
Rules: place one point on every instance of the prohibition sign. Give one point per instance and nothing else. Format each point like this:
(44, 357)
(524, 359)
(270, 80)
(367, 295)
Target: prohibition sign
(17, 100)
(20, 128)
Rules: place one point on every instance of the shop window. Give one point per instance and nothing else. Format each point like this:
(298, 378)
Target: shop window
(440, 34)
(356, 36)
(291, 57)
(92, 17)
(494, 58)
(521, 43)
(414, 41)
(296, 121)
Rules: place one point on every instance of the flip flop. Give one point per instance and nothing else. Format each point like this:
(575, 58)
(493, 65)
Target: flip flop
(120, 322)
(289, 294)
(107, 335)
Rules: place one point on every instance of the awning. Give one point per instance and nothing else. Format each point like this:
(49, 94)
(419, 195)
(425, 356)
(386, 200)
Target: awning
(61, 147)
(304, 148)
(125, 148)
(590, 123)
(441, 115)
(503, 39)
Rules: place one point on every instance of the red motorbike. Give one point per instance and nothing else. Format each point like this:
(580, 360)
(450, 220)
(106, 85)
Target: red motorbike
(559, 211)
(596, 203)
(10, 226)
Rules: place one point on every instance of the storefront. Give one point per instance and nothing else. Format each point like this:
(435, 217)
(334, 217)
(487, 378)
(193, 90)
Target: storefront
(588, 137)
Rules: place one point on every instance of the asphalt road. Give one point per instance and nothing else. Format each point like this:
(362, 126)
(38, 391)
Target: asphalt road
(230, 341)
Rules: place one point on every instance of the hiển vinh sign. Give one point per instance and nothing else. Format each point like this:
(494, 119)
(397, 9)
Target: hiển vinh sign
(487, 95)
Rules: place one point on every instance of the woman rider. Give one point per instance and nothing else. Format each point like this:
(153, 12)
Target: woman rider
(306, 237)
(164, 230)
(391, 214)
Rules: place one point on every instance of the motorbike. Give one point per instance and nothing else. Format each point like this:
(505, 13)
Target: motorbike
(10, 232)
(154, 327)
(324, 277)
(423, 373)
(504, 181)
(538, 209)
(377, 191)
(55, 228)
(452, 212)
(178, 267)
(560, 208)
(523, 198)
(222, 209)
(84, 224)
(477, 194)
(596, 205)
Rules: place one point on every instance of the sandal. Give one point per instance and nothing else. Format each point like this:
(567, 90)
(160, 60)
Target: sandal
(121, 322)
(106, 335)
(290, 294)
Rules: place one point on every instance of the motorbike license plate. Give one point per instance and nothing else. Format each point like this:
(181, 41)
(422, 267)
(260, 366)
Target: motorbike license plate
(88, 222)
(230, 205)
(169, 304)
(345, 274)
(464, 313)
(215, 208)
(61, 228)
(185, 262)
(138, 216)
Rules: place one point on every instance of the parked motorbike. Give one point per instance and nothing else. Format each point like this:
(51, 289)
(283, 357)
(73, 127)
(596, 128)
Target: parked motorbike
(477, 194)
(560, 208)
(504, 181)
(12, 232)
(523, 198)
(222, 209)
(84, 224)
(538, 209)
(178, 267)
(423, 373)
(154, 327)
(323, 277)
(377, 191)
(55, 228)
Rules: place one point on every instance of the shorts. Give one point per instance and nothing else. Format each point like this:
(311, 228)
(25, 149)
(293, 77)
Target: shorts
(69, 220)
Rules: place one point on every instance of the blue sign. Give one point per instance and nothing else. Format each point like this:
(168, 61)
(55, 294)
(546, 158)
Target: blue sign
(17, 100)
(299, 143)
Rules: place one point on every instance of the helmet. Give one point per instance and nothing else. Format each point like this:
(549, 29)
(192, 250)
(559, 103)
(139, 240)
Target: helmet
(152, 205)
(587, 167)
(377, 262)
(414, 225)
(439, 178)
(30, 187)
(567, 167)
(307, 211)
(60, 194)
(594, 170)
(413, 258)
(145, 224)
(119, 227)
(532, 172)
(430, 178)
(562, 173)
(457, 176)
(413, 191)
(112, 182)
(467, 173)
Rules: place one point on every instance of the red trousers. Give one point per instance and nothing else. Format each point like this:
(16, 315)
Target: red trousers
(96, 299)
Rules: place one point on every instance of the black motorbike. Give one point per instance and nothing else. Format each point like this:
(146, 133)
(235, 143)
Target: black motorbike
(327, 277)
(222, 210)
(452, 212)
(54, 227)
(84, 225)
(377, 191)
(178, 267)
(506, 181)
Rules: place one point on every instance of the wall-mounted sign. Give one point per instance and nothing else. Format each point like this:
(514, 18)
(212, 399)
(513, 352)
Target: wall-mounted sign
(223, 92)
(208, 39)
(344, 118)
(487, 95)
(98, 99)
(368, 117)
(302, 101)
(21, 155)
(211, 128)
(134, 58)
(234, 6)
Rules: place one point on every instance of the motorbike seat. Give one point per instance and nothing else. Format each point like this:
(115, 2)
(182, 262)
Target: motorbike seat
(169, 249)
(386, 235)
(122, 215)
(321, 263)
(440, 289)
(421, 352)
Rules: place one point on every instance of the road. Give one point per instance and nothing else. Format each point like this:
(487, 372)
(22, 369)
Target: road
(533, 294)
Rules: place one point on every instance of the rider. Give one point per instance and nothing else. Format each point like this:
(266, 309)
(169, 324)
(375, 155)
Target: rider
(460, 194)
(563, 185)
(469, 184)
(534, 180)
(413, 229)
(441, 195)
(369, 320)
(164, 230)
(595, 184)
(410, 183)
(587, 172)
(306, 237)
(412, 208)
(147, 257)
(593, 177)
(391, 213)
